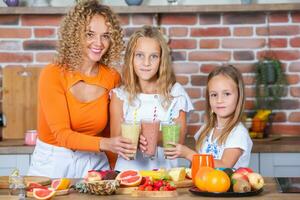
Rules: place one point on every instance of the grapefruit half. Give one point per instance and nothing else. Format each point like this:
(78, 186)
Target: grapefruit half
(129, 178)
(43, 194)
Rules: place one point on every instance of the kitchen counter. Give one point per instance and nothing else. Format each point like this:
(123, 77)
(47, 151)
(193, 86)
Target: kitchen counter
(278, 145)
(270, 193)
(15, 146)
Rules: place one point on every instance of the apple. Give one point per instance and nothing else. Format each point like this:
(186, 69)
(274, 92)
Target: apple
(239, 176)
(240, 185)
(256, 180)
(94, 175)
(244, 170)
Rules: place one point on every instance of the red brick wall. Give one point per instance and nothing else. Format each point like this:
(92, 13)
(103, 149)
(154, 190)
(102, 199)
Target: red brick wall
(199, 42)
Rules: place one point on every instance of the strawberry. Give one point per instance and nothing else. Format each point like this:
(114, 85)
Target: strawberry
(171, 188)
(149, 188)
(147, 182)
(141, 188)
(158, 183)
(164, 188)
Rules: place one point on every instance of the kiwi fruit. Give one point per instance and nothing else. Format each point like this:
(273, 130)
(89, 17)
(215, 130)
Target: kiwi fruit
(228, 171)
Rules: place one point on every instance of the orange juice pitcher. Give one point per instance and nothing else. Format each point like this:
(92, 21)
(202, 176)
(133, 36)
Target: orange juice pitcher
(201, 160)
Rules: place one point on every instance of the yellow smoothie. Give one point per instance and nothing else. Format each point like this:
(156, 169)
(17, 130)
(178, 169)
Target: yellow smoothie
(131, 130)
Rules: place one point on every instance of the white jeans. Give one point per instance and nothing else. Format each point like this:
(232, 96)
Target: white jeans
(57, 162)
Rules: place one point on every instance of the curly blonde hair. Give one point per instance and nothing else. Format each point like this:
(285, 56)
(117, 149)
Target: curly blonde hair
(165, 75)
(72, 35)
(232, 73)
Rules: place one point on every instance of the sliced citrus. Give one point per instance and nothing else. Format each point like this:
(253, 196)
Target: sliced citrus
(61, 184)
(129, 178)
(43, 194)
(33, 185)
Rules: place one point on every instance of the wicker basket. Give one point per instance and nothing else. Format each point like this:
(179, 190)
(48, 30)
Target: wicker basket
(105, 187)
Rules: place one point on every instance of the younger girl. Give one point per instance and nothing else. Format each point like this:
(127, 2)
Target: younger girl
(223, 136)
(149, 86)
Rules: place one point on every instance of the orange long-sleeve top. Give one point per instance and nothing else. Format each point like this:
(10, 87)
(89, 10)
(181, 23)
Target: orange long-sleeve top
(65, 121)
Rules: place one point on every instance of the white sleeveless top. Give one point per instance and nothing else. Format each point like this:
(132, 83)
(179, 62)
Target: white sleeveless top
(238, 138)
(144, 107)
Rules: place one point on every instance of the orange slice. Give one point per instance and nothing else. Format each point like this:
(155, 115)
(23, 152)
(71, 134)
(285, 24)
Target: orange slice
(61, 184)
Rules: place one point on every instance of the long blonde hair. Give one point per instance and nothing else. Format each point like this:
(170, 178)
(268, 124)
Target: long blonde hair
(72, 35)
(165, 75)
(230, 72)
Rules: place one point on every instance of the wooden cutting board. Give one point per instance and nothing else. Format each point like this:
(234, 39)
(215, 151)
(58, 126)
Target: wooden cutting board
(137, 193)
(19, 100)
(126, 190)
(184, 184)
(28, 179)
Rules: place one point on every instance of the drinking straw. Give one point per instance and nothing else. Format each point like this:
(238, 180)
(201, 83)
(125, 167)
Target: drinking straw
(134, 115)
(170, 116)
(154, 113)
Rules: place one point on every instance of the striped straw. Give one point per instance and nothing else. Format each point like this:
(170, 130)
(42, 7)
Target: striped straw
(170, 116)
(134, 115)
(154, 113)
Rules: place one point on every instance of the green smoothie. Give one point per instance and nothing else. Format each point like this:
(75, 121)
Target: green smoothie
(170, 133)
(131, 131)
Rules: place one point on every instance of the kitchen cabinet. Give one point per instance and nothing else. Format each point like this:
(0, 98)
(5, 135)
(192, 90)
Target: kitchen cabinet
(10, 162)
(254, 162)
(279, 164)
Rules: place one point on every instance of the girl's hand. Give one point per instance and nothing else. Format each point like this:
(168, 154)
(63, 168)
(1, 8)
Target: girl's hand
(143, 143)
(120, 145)
(177, 151)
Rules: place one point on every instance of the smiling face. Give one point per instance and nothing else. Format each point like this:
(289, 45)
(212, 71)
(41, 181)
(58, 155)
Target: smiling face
(97, 40)
(146, 59)
(223, 97)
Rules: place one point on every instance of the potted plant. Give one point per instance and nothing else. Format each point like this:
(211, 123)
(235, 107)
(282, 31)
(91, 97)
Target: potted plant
(269, 88)
(270, 83)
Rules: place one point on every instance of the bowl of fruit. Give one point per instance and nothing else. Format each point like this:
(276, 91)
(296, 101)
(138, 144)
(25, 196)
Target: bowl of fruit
(227, 182)
(98, 183)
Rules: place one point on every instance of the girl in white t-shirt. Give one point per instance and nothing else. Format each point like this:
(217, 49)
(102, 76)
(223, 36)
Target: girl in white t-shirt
(223, 135)
(149, 88)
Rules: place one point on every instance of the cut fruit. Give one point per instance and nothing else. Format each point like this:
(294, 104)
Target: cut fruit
(177, 174)
(31, 186)
(43, 194)
(93, 175)
(188, 172)
(155, 175)
(61, 184)
(129, 178)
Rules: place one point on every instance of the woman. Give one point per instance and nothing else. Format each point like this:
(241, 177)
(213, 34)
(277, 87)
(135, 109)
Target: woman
(73, 95)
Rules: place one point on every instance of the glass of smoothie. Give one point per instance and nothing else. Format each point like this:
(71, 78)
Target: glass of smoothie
(150, 130)
(131, 130)
(170, 133)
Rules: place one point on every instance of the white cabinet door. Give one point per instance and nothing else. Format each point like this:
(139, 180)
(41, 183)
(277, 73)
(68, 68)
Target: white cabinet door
(254, 162)
(10, 162)
(280, 164)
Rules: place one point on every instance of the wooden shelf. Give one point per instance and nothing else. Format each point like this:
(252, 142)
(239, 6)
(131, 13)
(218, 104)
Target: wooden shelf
(163, 9)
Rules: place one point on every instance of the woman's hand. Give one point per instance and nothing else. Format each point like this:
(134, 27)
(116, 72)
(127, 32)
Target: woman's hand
(120, 145)
(178, 151)
(143, 143)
